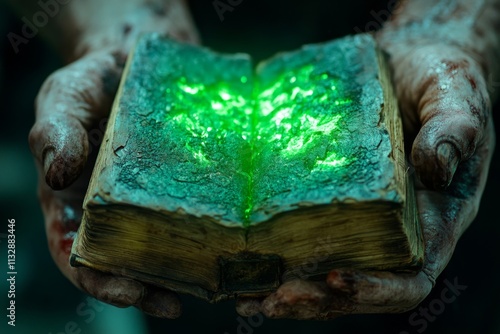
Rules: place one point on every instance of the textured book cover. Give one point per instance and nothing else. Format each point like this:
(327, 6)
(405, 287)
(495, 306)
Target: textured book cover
(219, 179)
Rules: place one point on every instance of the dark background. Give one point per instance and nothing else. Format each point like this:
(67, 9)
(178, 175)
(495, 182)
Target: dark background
(47, 302)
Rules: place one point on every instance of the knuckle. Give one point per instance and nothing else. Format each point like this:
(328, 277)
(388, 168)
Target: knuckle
(62, 87)
(53, 81)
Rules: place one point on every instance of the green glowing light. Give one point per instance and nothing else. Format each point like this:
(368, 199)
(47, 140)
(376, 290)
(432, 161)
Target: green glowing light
(296, 112)
(289, 106)
(201, 157)
(217, 105)
(280, 115)
(342, 101)
(225, 95)
(332, 161)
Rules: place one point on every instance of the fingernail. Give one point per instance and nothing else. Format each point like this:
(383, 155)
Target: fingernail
(57, 173)
(448, 159)
(53, 173)
(48, 158)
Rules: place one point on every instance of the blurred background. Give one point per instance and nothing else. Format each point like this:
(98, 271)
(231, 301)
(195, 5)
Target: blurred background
(47, 303)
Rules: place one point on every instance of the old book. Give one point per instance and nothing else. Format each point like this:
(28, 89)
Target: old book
(219, 180)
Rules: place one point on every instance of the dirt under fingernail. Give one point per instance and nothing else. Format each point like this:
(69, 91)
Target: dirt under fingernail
(448, 159)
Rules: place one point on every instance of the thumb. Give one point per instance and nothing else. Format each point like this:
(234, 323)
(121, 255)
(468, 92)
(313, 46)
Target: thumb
(453, 109)
(70, 101)
(60, 145)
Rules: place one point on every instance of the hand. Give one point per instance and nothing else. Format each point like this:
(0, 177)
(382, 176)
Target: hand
(446, 112)
(71, 102)
(71, 109)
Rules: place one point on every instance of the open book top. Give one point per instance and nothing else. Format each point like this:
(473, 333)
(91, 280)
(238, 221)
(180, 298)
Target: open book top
(205, 134)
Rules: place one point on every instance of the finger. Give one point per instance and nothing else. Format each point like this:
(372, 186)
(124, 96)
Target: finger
(69, 102)
(372, 292)
(346, 292)
(301, 299)
(124, 292)
(444, 216)
(160, 303)
(452, 103)
(247, 307)
(110, 289)
(60, 145)
(62, 221)
(62, 211)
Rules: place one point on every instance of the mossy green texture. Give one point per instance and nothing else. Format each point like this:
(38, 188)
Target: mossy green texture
(209, 135)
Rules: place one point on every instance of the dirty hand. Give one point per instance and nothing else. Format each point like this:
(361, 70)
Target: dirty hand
(71, 109)
(441, 82)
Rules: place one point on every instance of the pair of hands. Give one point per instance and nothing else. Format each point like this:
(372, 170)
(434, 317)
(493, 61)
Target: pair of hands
(445, 103)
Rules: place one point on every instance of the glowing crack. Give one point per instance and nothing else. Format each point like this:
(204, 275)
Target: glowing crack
(290, 115)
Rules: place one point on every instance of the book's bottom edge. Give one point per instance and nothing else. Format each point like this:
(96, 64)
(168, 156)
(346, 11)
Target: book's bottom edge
(243, 275)
(215, 263)
(262, 276)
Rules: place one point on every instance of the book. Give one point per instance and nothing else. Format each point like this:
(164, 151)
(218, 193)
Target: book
(220, 180)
